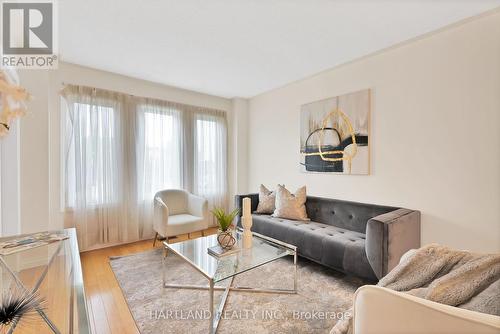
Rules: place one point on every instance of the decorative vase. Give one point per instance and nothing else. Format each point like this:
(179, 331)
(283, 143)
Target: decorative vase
(247, 239)
(226, 239)
(246, 222)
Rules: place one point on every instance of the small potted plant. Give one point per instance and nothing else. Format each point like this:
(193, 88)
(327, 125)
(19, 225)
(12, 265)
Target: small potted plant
(225, 237)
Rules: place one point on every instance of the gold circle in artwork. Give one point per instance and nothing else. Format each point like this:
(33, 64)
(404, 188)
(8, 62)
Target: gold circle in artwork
(346, 156)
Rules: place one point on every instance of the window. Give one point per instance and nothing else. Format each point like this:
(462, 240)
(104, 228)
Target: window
(91, 151)
(119, 150)
(210, 156)
(158, 150)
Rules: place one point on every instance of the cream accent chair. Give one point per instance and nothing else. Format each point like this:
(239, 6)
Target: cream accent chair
(178, 212)
(381, 310)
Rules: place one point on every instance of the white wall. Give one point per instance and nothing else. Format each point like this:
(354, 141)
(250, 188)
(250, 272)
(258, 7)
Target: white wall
(34, 166)
(40, 189)
(435, 133)
(237, 148)
(10, 220)
(240, 141)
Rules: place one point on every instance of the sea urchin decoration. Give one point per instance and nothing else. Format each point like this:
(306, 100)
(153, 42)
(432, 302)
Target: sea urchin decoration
(17, 305)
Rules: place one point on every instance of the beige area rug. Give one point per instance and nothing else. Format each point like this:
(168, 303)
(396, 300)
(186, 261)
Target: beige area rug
(322, 297)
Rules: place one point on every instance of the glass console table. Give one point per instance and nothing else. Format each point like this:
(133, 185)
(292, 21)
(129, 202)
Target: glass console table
(55, 273)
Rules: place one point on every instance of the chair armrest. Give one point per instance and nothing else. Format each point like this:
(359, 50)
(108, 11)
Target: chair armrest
(160, 216)
(381, 310)
(238, 204)
(389, 236)
(198, 206)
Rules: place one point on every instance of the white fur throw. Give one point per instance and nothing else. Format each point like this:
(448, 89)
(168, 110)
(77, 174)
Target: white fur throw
(444, 275)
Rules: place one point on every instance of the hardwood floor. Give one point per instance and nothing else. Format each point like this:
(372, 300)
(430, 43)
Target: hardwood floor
(107, 308)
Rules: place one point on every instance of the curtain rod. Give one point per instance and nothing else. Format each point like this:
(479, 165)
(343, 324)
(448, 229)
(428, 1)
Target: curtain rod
(63, 83)
(95, 88)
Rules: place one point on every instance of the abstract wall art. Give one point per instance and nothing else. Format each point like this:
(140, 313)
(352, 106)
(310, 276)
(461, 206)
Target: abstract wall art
(334, 135)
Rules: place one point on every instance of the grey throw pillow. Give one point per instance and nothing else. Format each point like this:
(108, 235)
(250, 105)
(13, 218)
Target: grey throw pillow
(266, 201)
(291, 206)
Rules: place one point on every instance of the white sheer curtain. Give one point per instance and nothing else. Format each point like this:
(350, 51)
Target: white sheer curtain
(158, 149)
(210, 157)
(121, 150)
(95, 188)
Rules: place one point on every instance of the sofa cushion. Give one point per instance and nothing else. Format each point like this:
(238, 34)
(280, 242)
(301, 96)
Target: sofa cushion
(267, 200)
(344, 214)
(333, 246)
(347, 254)
(282, 229)
(291, 206)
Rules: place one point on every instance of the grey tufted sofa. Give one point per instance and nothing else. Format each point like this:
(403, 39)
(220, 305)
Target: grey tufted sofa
(365, 240)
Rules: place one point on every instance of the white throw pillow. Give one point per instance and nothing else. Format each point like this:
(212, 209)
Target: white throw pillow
(267, 200)
(291, 206)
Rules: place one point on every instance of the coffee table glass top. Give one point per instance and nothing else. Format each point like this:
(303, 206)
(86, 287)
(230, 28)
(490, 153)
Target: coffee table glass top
(263, 250)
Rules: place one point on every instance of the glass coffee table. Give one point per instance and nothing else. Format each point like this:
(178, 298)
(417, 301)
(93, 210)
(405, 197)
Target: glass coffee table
(263, 250)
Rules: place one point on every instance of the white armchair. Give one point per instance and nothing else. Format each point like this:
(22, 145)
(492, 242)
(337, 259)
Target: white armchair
(178, 212)
(381, 310)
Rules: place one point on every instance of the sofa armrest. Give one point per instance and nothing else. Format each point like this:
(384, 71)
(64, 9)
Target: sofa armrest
(389, 236)
(381, 310)
(239, 205)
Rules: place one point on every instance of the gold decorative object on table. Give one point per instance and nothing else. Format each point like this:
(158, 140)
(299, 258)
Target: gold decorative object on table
(225, 236)
(226, 239)
(12, 100)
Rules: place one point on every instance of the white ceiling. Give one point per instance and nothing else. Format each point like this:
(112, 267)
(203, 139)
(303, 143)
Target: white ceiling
(242, 48)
